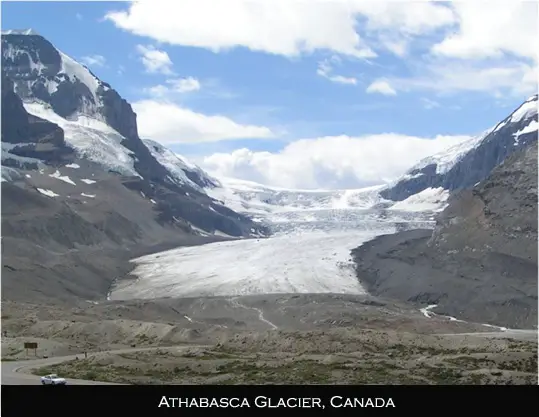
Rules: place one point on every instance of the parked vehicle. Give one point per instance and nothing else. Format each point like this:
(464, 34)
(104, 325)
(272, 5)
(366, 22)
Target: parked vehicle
(53, 379)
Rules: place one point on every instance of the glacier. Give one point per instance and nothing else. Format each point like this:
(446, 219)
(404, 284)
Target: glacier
(309, 251)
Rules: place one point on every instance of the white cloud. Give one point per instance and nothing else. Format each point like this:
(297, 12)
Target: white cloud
(325, 70)
(184, 85)
(381, 87)
(94, 60)
(445, 77)
(330, 162)
(409, 17)
(154, 60)
(157, 91)
(169, 123)
(280, 27)
(397, 45)
(491, 29)
(174, 85)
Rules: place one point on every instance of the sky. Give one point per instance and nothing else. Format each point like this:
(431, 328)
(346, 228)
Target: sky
(302, 94)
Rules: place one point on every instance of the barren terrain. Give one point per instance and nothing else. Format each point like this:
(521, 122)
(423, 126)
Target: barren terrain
(284, 338)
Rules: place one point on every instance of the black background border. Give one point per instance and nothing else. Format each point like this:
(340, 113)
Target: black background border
(111, 400)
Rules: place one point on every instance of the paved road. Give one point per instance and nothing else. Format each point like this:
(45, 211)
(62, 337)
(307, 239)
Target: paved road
(18, 372)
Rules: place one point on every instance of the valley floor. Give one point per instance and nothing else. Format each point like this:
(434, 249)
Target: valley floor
(280, 338)
(288, 309)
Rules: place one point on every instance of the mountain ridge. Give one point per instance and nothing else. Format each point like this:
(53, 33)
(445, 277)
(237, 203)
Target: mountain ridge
(465, 164)
(55, 87)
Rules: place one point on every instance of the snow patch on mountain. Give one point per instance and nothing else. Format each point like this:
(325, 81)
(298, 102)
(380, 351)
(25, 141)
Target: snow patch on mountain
(61, 177)
(430, 199)
(525, 111)
(92, 139)
(76, 71)
(533, 126)
(447, 159)
(48, 193)
(179, 167)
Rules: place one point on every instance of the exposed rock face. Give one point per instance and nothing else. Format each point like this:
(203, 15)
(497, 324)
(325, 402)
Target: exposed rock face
(36, 71)
(34, 137)
(480, 263)
(39, 71)
(465, 165)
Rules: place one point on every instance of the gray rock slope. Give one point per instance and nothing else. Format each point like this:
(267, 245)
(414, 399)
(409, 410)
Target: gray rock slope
(464, 165)
(480, 262)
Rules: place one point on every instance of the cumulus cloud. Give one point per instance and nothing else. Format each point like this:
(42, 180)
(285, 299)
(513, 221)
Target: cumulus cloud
(94, 60)
(155, 60)
(492, 29)
(502, 78)
(280, 27)
(381, 87)
(393, 25)
(470, 31)
(330, 162)
(170, 123)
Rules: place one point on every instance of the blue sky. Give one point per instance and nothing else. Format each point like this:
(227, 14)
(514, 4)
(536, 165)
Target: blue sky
(286, 81)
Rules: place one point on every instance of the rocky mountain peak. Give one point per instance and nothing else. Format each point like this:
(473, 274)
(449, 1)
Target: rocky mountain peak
(42, 72)
(465, 164)
(52, 96)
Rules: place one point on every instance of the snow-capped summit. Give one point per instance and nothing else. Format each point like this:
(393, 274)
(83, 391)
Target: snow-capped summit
(42, 72)
(55, 111)
(469, 162)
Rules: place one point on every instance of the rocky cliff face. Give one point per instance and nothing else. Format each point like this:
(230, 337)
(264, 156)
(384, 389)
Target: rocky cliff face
(464, 165)
(26, 137)
(498, 215)
(480, 263)
(41, 72)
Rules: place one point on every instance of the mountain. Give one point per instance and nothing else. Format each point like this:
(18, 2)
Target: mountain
(465, 164)
(480, 262)
(81, 192)
(100, 126)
